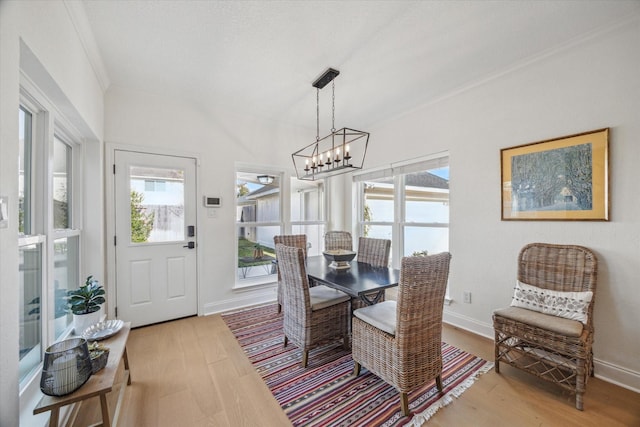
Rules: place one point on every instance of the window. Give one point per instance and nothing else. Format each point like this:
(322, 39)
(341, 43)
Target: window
(262, 213)
(258, 220)
(49, 237)
(30, 247)
(25, 166)
(408, 204)
(65, 236)
(307, 212)
(157, 204)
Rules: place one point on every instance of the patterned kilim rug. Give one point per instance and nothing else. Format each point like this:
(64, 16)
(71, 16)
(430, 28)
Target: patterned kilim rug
(326, 393)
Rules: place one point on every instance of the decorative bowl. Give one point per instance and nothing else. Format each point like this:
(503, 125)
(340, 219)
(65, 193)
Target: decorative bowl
(340, 258)
(102, 330)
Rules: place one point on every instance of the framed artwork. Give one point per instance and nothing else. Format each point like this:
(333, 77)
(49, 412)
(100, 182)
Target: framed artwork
(559, 179)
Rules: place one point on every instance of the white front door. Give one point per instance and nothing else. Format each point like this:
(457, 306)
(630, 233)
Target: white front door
(156, 251)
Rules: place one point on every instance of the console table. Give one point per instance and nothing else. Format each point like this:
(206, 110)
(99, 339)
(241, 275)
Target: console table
(99, 384)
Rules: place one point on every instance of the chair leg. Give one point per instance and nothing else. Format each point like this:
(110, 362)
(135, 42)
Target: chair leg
(356, 368)
(579, 404)
(305, 358)
(439, 383)
(279, 308)
(404, 404)
(286, 341)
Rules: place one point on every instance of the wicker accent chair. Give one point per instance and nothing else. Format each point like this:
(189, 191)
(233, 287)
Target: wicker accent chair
(374, 252)
(546, 343)
(312, 316)
(401, 341)
(294, 240)
(338, 240)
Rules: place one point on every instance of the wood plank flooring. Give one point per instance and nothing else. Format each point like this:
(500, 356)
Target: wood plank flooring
(192, 372)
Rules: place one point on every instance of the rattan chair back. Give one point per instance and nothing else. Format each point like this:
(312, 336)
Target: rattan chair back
(293, 240)
(338, 240)
(374, 251)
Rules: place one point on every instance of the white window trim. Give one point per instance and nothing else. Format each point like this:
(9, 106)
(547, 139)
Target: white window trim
(48, 121)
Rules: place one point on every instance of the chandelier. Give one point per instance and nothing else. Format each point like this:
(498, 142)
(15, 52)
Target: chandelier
(339, 152)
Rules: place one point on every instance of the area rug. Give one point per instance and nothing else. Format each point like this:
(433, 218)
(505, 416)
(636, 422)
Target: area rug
(326, 393)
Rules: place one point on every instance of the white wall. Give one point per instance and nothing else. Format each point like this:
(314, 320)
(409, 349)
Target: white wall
(40, 38)
(219, 139)
(591, 85)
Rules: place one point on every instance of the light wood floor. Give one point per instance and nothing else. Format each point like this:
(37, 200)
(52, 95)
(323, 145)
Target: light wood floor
(192, 372)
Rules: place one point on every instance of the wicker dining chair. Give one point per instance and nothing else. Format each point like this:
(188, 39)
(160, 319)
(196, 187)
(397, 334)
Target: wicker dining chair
(401, 342)
(546, 331)
(376, 253)
(295, 240)
(313, 316)
(338, 240)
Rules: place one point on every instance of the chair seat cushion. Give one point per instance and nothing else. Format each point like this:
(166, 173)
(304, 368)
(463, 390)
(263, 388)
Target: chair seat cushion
(559, 325)
(322, 296)
(381, 315)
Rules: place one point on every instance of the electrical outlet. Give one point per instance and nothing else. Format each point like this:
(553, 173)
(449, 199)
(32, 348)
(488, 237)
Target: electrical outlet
(467, 297)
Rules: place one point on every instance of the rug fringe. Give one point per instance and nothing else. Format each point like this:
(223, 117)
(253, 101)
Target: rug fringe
(421, 418)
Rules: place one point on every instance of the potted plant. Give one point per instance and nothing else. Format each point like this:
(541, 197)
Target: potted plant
(85, 304)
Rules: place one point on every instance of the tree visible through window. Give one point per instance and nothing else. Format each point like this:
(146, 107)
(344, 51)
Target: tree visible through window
(141, 222)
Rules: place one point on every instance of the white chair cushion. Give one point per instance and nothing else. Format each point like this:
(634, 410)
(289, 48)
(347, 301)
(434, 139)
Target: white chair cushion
(322, 296)
(381, 315)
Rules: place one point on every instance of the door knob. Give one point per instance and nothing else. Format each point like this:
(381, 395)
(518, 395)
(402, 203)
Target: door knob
(190, 245)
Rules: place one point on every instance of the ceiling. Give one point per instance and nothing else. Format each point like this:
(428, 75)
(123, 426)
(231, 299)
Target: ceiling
(260, 57)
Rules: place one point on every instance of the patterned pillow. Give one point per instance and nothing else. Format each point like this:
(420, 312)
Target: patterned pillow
(570, 305)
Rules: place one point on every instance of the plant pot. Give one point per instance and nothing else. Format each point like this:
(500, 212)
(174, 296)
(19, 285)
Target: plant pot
(83, 321)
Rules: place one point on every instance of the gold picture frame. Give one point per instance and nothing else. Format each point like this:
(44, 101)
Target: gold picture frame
(558, 179)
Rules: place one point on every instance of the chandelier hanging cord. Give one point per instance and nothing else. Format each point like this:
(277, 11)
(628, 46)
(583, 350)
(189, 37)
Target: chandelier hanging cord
(317, 114)
(333, 106)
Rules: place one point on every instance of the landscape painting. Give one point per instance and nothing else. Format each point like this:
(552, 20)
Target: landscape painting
(558, 179)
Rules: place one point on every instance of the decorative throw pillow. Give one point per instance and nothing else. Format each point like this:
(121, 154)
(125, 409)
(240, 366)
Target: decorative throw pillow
(570, 305)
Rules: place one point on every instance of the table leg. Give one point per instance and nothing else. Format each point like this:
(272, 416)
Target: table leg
(105, 410)
(53, 418)
(125, 358)
(375, 299)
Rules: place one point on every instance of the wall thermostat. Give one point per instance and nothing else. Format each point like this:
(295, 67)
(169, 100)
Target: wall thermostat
(212, 202)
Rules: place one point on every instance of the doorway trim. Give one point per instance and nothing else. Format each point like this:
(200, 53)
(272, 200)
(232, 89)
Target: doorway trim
(110, 217)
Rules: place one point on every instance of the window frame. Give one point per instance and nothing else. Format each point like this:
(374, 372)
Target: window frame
(284, 223)
(47, 124)
(398, 172)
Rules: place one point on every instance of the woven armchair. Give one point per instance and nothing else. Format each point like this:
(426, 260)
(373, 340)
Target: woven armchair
(312, 316)
(338, 240)
(294, 240)
(405, 346)
(374, 252)
(550, 346)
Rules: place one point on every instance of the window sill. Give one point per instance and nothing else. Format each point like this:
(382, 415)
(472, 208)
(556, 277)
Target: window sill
(255, 283)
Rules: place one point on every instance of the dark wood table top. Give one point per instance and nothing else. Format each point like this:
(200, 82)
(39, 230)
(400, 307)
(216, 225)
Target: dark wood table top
(356, 281)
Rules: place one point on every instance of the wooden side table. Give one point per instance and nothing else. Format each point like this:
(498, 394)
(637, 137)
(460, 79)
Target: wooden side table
(99, 384)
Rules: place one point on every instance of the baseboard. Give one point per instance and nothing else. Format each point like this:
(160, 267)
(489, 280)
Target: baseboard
(468, 324)
(605, 371)
(617, 375)
(242, 300)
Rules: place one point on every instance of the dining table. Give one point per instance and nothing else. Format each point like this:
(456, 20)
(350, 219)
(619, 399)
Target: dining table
(359, 279)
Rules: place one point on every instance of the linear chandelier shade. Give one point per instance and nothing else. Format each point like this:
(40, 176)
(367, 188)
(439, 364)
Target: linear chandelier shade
(339, 152)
